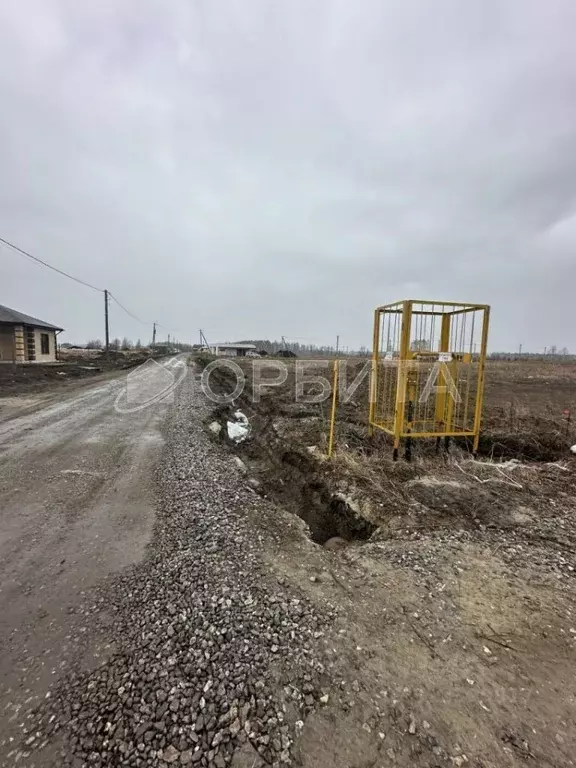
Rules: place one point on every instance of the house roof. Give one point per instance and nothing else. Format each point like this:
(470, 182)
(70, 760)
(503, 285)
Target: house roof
(13, 317)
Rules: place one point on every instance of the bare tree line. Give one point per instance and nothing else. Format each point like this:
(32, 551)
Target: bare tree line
(303, 350)
(126, 345)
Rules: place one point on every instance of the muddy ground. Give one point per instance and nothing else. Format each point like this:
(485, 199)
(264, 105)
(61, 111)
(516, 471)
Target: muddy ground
(456, 637)
(25, 388)
(26, 379)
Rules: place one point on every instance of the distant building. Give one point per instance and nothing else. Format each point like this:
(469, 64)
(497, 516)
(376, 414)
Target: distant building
(233, 350)
(25, 339)
(163, 349)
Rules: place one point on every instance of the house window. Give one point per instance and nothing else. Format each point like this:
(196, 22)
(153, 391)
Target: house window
(45, 343)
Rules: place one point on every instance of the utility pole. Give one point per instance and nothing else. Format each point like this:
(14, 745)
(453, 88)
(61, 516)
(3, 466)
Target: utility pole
(337, 344)
(203, 340)
(106, 320)
(154, 334)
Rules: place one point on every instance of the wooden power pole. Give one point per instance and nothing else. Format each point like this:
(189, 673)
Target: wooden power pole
(107, 326)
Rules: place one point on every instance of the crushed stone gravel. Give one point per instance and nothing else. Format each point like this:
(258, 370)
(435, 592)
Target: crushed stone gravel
(215, 657)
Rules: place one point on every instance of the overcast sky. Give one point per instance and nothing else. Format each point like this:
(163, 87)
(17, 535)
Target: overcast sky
(268, 167)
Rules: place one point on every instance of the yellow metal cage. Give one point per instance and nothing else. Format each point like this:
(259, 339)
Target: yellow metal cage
(428, 362)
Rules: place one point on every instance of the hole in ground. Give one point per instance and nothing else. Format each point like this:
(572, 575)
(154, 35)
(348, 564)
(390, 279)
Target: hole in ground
(335, 519)
(326, 514)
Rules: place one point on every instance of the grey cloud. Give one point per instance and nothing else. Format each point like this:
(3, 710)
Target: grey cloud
(262, 168)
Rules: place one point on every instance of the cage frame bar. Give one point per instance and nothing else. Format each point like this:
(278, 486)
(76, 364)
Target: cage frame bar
(406, 308)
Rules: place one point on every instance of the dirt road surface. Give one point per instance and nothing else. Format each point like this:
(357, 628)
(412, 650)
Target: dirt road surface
(140, 623)
(76, 505)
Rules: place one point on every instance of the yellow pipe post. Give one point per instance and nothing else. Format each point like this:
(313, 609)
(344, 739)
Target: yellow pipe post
(334, 406)
(481, 371)
(440, 411)
(374, 372)
(402, 374)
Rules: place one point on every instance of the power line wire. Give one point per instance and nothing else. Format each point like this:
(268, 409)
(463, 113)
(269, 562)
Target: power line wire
(76, 279)
(172, 330)
(144, 322)
(45, 264)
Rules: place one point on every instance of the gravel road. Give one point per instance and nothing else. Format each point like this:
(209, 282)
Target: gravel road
(139, 624)
(76, 505)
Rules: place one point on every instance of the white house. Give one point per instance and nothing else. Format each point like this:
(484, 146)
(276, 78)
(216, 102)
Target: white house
(232, 350)
(25, 339)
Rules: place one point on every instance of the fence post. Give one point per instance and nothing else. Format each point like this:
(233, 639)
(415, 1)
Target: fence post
(333, 412)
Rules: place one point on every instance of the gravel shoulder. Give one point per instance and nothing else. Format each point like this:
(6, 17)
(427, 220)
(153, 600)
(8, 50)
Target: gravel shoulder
(203, 655)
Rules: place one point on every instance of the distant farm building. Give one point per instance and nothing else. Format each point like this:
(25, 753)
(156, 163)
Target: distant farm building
(25, 339)
(233, 350)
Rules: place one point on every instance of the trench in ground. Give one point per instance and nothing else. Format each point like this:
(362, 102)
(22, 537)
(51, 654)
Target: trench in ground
(297, 481)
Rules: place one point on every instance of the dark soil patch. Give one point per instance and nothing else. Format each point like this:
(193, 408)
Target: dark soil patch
(309, 496)
(285, 472)
(529, 446)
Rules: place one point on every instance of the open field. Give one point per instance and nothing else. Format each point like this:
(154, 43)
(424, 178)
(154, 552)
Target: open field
(455, 582)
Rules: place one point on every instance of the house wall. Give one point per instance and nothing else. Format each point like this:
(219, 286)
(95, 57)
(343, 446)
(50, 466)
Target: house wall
(40, 358)
(231, 351)
(6, 343)
(14, 346)
(19, 343)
